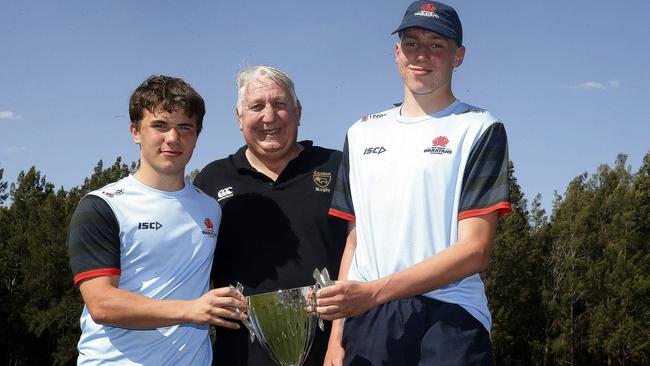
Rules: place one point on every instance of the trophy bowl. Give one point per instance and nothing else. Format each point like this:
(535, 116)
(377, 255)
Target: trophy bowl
(283, 323)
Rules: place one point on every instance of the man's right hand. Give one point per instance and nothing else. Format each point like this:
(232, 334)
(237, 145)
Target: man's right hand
(218, 305)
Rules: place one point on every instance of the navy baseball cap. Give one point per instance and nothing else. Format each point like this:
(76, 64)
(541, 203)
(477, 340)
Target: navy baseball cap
(433, 16)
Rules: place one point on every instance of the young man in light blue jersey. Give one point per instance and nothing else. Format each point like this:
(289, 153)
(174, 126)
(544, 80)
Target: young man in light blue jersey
(422, 186)
(141, 248)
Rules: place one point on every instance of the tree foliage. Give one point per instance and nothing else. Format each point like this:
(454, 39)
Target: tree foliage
(38, 299)
(570, 289)
(573, 289)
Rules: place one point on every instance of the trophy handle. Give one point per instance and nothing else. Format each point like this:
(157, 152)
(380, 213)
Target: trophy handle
(322, 280)
(247, 322)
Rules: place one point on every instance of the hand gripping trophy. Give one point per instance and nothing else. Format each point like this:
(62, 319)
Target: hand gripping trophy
(284, 321)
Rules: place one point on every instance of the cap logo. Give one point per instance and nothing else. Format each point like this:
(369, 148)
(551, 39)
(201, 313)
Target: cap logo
(428, 7)
(427, 10)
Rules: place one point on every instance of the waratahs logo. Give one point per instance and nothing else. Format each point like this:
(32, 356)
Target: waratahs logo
(427, 10)
(440, 141)
(439, 146)
(210, 228)
(428, 7)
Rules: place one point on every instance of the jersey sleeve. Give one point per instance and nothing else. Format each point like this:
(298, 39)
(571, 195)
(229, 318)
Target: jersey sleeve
(485, 180)
(342, 198)
(93, 240)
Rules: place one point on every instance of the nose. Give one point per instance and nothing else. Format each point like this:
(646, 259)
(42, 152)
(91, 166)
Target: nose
(172, 135)
(422, 53)
(268, 113)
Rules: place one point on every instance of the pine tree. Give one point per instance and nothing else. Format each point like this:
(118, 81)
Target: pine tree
(600, 269)
(512, 286)
(23, 236)
(572, 232)
(39, 301)
(631, 337)
(10, 333)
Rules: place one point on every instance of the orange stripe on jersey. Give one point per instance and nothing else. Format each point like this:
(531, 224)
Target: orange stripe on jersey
(342, 215)
(96, 273)
(502, 207)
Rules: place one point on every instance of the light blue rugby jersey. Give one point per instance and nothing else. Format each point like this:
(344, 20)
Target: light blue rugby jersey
(161, 244)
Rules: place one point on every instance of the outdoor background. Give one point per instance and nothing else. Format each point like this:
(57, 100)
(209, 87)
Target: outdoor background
(570, 276)
(570, 79)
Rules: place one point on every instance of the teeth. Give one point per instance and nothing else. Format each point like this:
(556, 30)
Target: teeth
(271, 132)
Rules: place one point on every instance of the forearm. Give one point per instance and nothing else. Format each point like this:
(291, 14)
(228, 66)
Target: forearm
(468, 256)
(125, 309)
(348, 252)
(439, 270)
(111, 305)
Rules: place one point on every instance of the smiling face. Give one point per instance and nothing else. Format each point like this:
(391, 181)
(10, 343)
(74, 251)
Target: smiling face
(167, 141)
(269, 119)
(426, 61)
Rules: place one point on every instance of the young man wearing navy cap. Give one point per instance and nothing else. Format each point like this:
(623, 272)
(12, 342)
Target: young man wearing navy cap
(422, 186)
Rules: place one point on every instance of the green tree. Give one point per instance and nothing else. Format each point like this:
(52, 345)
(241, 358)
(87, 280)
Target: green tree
(512, 285)
(541, 240)
(572, 232)
(599, 268)
(39, 301)
(21, 222)
(618, 332)
(10, 333)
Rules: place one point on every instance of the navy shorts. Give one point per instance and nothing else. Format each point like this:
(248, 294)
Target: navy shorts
(416, 331)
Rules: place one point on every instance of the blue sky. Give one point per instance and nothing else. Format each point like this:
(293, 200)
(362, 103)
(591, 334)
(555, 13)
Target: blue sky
(570, 79)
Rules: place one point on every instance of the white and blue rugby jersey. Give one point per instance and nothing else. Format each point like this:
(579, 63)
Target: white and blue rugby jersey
(161, 244)
(406, 182)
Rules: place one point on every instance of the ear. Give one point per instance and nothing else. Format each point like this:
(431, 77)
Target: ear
(298, 111)
(397, 52)
(135, 133)
(460, 56)
(239, 119)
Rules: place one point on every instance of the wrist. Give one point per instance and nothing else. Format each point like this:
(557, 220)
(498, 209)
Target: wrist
(380, 290)
(184, 313)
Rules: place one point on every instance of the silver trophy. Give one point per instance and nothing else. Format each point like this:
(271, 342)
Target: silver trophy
(284, 321)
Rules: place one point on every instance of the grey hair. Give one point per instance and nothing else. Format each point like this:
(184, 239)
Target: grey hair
(253, 73)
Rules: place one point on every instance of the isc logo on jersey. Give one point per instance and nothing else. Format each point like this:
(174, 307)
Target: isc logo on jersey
(149, 225)
(374, 150)
(224, 193)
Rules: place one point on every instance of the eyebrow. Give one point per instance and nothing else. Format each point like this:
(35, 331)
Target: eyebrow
(183, 123)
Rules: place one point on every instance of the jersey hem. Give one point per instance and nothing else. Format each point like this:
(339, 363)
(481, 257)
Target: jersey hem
(96, 273)
(341, 214)
(502, 208)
